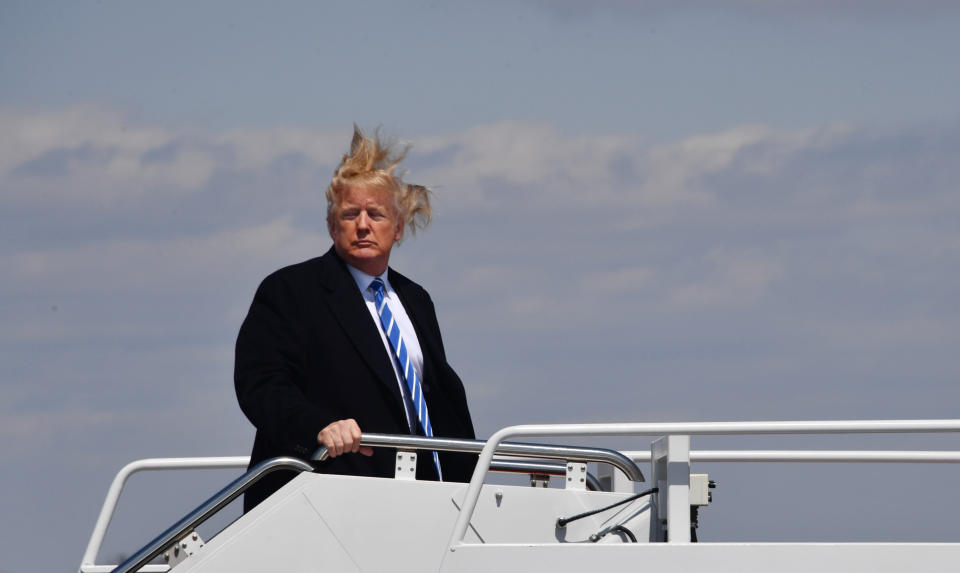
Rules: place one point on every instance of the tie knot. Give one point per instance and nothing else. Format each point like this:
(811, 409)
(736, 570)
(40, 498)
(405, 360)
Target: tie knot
(376, 286)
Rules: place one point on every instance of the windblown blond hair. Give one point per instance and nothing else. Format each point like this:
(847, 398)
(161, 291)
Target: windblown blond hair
(372, 162)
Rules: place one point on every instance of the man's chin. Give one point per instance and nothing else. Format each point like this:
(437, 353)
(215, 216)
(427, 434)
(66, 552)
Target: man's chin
(365, 254)
(372, 263)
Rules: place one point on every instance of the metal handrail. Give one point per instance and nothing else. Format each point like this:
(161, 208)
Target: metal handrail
(814, 456)
(207, 509)
(678, 428)
(542, 451)
(496, 445)
(88, 563)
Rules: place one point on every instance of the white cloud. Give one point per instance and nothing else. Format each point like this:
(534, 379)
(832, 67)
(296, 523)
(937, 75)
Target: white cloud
(730, 280)
(256, 149)
(605, 228)
(488, 165)
(182, 263)
(618, 282)
(725, 209)
(82, 155)
(30, 133)
(867, 333)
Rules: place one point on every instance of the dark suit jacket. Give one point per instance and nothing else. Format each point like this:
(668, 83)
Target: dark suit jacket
(309, 354)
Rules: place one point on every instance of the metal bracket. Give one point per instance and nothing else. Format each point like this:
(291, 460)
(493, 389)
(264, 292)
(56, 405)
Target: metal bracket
(539, 480)
(406, 465)
(183, 549)
(576, 475)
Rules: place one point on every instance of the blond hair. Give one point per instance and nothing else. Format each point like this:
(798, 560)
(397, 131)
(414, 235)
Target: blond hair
(373, 162)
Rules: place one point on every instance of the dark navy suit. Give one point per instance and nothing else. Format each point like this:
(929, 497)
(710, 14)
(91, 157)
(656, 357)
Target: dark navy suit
(309, 354)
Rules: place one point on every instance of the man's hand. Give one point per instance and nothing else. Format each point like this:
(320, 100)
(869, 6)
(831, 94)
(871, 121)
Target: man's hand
(341, 437)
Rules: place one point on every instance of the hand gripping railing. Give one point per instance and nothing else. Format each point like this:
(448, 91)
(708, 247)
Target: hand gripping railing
(207, 509)
(542, 451)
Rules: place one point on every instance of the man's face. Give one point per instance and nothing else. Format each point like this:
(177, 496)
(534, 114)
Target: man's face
(365, 228)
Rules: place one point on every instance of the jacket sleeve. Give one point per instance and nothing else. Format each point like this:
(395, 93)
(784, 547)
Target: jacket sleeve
(268, 371)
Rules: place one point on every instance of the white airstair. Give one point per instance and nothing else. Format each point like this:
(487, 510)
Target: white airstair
(321, 522)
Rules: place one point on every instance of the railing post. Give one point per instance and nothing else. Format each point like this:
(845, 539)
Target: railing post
(613, 479)
(671, 474)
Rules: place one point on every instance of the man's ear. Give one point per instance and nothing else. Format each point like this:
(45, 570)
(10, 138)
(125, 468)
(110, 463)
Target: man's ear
(398, 235)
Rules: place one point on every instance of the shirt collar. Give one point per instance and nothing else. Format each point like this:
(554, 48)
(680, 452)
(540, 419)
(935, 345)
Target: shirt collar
(363, 280)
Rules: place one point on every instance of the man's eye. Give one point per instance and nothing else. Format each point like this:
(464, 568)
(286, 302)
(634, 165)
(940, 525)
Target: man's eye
(376, 215)
(349, 214)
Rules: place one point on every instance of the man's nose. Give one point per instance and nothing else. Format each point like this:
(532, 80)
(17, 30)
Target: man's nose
(363, 222)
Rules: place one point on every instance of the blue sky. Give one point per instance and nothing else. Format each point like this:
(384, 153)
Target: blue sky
(615, 67)
(644, 211)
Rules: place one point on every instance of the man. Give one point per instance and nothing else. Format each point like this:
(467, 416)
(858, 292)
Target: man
(315, 364)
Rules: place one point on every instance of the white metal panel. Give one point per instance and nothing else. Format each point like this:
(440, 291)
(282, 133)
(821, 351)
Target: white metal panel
(529, 515)
(342, 523)
(287, 535)
(712, 557)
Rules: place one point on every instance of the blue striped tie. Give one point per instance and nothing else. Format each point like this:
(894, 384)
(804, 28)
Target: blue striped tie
(392, 329)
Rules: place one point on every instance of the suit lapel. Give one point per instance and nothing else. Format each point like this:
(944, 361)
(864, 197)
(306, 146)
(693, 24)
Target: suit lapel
(347, 305)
